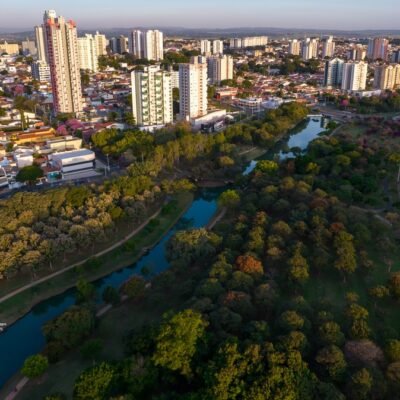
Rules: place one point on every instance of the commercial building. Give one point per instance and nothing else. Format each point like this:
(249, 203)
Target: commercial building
(101, 44)
(71, 162)
(62, 50)
(193, 88)
(41, 71)
(328, 47)
(387, 77)
(147, 44)
(220, 68)
(310, 49)
(333, 74)
(354, 76)
(294, 47)
(378, 48)
(88, 57)
(152, 97)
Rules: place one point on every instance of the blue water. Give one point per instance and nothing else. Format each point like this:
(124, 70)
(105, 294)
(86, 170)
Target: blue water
(25, 337)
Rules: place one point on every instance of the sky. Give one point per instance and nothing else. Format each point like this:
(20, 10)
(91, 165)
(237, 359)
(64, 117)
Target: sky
(304, 14)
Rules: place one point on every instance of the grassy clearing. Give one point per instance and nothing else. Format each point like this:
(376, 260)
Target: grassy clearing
(92, 270)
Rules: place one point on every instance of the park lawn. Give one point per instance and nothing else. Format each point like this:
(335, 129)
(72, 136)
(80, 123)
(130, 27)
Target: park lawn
(134, 314)
(126, 254)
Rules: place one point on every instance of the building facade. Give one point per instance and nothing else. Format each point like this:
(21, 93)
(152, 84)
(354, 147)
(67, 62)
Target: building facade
(147, 44)
(354, 76)
(218, 47)
(357, 53)
(41, 71)
(193, 89)
(220, 68)
(387, 77)
(378, 48)
(333, 74)
(62, 49)
(205, 47)
(152, 96)
(328, 47)
(294, 47)
(101, 44)
(88, 57)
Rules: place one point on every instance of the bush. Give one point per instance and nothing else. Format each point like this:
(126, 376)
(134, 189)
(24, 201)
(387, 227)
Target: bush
(35, 366)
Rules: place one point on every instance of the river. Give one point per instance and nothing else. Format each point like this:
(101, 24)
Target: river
(25, 337)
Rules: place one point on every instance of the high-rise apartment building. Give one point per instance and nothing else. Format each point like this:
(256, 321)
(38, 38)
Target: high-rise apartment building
(147, 44)
(29, 48)
(252, 41)
(119, 45)
(41, 71)
(357, 53)
(63, 59)
(378, 49)
(333, 74)
(294, 47)
(40, 43)
(354, 76)
(88, 58)
(218, 47)
(387, 77)
(101, 44)
(309, 49)
(193, 88)
(328, 47)
(152, 96)
(10, 48)
(220, 68)
(396, 56)
(205, 47)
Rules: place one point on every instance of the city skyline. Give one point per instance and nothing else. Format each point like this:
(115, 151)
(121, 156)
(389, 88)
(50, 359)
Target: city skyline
(304, 14)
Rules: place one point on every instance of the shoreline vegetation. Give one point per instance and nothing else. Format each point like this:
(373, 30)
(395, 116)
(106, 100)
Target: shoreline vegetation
(96, 268)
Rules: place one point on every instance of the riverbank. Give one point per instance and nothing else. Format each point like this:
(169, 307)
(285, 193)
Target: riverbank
(112, 259)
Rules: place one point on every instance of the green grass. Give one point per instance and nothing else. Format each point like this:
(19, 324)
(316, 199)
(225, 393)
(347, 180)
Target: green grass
(118, 258)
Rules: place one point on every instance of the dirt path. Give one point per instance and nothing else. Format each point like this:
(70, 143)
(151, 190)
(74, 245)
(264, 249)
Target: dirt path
(100, 253)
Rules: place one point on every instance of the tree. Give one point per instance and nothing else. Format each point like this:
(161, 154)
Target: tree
(96, 383)
(110, 295)
(345, 253)
(330, 333)
(229, 199)
(85, 291)
(135, 287)
(298, 267)
(91, 349)
(70, 328)
(394, 285)
(30, 174)
(177, 342)
(332, 360)
(291, 320)
(249, 265)
(360, 384)
(35, 366)
(267, 166)
(393, 350)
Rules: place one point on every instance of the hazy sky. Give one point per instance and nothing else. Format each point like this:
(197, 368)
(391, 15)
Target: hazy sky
(333, 14)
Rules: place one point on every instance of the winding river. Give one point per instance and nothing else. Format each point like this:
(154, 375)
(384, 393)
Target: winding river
(25, 337)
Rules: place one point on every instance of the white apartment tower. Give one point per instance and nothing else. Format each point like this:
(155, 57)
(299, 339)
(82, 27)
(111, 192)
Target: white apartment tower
(205, 47)
(333, 74)
(101, 44)
(152, 96)
(310, 49)
(40, 43)
(328, 48)
(63, 59)
(220, 68)
(354, 76)
(147, 44)
(193, 88)
(88, 58)
(218, 47)
(387, 77)
(357, 53)
(294, 47)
